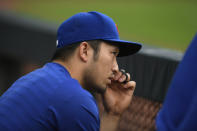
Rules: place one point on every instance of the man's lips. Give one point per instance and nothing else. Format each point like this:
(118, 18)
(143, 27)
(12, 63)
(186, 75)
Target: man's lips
(111, 78)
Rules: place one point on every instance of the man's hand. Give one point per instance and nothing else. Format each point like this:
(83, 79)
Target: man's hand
(118, 95)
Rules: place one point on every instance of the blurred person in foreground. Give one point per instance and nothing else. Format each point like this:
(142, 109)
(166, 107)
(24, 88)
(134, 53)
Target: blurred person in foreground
(57, 96)
(179, 111)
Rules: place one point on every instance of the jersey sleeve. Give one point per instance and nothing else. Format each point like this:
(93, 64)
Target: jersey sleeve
(74, 110)
(179, 110)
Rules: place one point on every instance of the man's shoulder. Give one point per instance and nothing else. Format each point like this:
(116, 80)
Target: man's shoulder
(71, 89)
(76, 107)
(42, 81)
(71, 93)
(48, 75)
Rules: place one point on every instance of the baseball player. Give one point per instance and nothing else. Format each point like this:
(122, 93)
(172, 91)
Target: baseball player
(57, 96)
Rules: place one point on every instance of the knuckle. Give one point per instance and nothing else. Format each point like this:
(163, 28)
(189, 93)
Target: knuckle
(133, 83)
(128, 76)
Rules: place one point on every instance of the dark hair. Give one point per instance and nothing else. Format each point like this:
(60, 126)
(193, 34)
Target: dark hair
(65, 52)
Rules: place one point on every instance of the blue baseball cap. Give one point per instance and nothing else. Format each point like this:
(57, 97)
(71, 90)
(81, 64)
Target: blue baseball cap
(93, 26)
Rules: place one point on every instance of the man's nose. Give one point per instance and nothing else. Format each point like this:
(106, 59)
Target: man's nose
(115, 67)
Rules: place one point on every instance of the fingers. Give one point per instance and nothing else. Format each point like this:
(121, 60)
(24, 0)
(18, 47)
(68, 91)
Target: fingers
(117, 75)
(130, 84)
(122, 77)
(125, 77)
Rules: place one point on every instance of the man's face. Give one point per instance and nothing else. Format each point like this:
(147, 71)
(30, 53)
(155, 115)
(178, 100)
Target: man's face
(100, 72)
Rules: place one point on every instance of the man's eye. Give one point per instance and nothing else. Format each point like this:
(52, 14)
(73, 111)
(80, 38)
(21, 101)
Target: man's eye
(115, 53)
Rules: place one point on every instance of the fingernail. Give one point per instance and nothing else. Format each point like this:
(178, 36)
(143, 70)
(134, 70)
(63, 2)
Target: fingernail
(120, 80)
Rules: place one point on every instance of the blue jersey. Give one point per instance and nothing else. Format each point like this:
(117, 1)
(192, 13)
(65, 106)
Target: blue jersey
(179, 111)
(48, 99)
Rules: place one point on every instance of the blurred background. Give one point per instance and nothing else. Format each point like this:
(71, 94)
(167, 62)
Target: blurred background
(165, 27)
(162, 23)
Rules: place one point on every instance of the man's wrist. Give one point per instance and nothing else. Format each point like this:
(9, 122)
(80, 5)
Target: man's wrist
(109, 121)
(112, 115)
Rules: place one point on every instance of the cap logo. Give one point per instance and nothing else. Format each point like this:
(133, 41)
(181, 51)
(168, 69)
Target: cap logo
(117, 29)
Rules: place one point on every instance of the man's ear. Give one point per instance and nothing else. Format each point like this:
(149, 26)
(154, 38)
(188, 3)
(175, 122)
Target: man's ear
(84, 50)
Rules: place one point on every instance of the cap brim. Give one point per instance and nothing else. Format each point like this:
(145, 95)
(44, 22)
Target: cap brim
(126, 47)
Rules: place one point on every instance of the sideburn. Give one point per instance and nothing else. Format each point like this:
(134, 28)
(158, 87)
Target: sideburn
(95, 45)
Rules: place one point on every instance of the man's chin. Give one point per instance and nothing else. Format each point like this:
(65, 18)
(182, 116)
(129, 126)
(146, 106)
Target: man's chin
(95, 88)
(101, 90)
